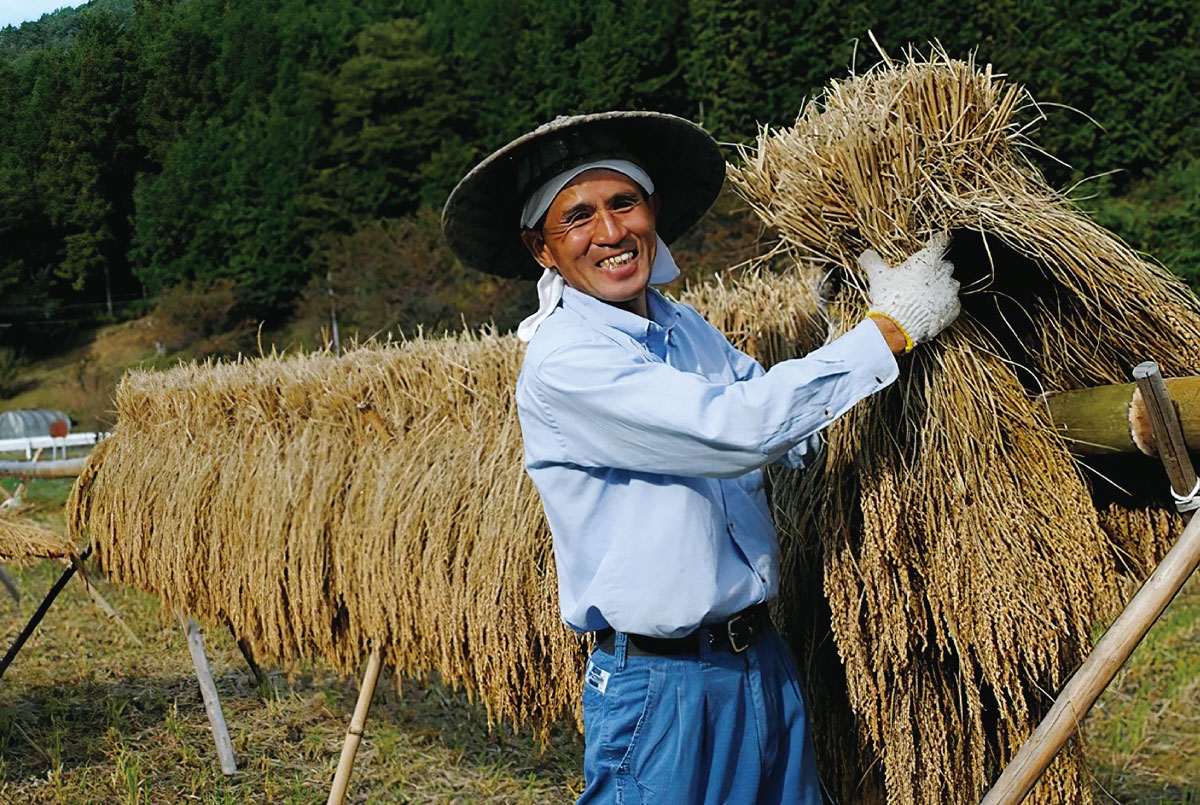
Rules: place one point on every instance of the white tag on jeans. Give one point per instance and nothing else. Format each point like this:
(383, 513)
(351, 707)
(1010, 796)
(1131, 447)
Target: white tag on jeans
(596, 678)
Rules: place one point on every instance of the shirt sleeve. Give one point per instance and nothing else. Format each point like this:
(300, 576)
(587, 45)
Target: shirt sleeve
(804, 452)
(613, 410)
(746, 367)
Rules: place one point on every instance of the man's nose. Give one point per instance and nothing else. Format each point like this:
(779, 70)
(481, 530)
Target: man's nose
(609, 228)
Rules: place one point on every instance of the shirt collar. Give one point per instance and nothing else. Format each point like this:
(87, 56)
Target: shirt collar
(663, 314)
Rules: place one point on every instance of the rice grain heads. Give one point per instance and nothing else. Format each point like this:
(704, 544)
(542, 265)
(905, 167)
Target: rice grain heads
(964, 555)
(324, 505)
(22, 541)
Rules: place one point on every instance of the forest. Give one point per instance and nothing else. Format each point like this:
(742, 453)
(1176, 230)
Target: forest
(238, 166)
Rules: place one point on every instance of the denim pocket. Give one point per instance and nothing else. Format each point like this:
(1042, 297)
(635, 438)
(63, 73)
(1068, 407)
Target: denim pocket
(596, 674)
(639, 712)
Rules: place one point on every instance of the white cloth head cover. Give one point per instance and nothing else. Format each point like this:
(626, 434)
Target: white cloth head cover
(550, 285)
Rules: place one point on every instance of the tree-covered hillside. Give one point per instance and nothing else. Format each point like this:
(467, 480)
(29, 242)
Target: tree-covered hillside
(56, 28)
(249, 158)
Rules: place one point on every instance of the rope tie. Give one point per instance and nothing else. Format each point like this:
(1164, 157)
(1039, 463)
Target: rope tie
(1189, 502)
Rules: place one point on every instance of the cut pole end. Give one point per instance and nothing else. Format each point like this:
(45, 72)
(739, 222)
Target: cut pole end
(1145, 369)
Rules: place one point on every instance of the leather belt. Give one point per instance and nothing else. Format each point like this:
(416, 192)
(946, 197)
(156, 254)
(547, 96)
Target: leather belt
(737, 633)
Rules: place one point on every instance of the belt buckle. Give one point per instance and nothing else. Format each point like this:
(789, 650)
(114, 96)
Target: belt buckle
(737, 641)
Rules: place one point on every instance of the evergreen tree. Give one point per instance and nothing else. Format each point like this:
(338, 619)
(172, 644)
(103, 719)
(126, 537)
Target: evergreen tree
(392, 130)
(86, 169)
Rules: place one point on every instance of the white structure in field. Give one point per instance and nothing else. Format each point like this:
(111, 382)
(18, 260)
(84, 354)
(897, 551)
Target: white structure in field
(31, 430)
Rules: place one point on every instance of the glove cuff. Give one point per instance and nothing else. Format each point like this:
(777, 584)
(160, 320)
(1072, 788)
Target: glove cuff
(908, 342)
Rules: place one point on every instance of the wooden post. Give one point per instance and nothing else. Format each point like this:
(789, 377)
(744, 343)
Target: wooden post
(10, 584)
(212, 703)
(244, 646)
(1114, 648)
(337, 794)
(102, 603)
(1168, 433)
(107, 608)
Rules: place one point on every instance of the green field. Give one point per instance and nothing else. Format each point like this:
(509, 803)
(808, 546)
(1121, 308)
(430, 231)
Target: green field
(88, 715)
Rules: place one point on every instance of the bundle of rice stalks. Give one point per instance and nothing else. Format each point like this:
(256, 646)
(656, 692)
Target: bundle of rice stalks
(325, 505)
(964, 554)
(22, 541)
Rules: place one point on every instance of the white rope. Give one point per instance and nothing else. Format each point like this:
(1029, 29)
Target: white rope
(1189, 502)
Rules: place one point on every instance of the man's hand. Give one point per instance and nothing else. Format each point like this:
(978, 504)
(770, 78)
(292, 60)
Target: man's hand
(919, 296)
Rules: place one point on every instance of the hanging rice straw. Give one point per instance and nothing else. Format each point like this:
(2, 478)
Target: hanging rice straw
(958, 544)
(326, 504)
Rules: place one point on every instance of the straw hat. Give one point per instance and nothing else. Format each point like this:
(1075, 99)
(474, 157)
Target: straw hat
(481, 219)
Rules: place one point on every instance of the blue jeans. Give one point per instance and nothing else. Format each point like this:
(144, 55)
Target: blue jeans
(719, 728)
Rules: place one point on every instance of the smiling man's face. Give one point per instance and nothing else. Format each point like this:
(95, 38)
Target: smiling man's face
(599, 234)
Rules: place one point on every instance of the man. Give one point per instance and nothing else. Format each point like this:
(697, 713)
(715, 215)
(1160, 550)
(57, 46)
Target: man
(645, 434)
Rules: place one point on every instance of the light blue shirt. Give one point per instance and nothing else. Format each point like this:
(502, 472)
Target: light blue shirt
(646, 440)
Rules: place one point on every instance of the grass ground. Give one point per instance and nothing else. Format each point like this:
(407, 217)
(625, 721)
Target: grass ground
(1143, 737)
(89, 716)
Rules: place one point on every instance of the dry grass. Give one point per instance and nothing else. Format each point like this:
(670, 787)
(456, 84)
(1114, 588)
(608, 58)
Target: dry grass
(88, 716)
(958, 544)
(1143, 736)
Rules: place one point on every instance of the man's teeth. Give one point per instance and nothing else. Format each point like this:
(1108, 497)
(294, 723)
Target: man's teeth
(616, 260)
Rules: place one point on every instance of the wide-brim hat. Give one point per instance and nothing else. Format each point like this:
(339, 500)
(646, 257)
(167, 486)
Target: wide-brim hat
(482, 217)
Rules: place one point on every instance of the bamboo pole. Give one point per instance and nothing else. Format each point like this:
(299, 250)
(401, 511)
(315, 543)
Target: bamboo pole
(67, 468)
(337, 794)
(1106, 420)
(212, 702)
(1127, 631)
(10, 584)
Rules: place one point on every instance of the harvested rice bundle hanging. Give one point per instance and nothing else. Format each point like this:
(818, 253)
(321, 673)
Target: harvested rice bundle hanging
(959, 544)
(325, 505)
(322, 505)
(22, 541)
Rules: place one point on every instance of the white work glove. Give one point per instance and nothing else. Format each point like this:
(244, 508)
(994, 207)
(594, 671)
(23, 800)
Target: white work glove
(920, 296)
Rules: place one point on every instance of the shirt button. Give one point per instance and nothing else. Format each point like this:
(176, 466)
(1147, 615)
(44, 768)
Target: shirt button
(828, 413)
(879, 380)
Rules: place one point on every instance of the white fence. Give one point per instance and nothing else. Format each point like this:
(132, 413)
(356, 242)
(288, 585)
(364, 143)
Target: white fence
(55, 443)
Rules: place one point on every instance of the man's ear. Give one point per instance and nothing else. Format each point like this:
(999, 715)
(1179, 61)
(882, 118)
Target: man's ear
(537, 247)
(653, 202)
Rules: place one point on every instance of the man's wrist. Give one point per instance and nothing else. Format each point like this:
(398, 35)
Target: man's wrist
(895, 336)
